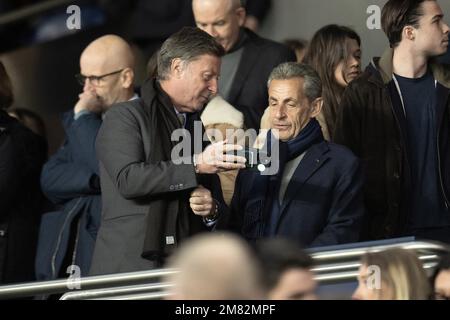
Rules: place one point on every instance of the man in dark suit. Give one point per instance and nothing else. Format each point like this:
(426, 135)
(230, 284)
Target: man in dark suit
(249, 58)
(153, 198)
(315, 197)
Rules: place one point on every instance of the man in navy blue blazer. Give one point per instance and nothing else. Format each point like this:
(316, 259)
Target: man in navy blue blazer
(71, 178)
(315, 197)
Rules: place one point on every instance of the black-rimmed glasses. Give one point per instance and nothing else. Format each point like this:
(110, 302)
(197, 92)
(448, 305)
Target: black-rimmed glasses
(94, 80)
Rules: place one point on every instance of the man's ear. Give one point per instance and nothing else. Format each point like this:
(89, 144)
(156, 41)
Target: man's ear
(316, 107)
(127, 78)
(176, 67)
(409, 33)
(241, 14)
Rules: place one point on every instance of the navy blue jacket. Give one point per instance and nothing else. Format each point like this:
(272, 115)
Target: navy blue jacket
(322, 206)
(372, 124)
(70, 179)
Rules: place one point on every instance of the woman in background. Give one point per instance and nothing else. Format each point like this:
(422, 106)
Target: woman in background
(393, 274)
(335, 53)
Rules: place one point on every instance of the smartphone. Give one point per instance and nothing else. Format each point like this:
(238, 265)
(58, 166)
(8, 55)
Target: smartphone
(256, 159)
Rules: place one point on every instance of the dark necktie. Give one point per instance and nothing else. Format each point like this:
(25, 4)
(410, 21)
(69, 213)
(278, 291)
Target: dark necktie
(181, 119)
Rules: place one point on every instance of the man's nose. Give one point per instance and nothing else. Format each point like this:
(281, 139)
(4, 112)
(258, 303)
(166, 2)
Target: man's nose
(446, 28)
(213, 85)
(280, 112)
(87, 85)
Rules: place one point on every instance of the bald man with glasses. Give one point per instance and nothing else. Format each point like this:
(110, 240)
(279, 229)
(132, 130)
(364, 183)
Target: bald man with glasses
(70, 179)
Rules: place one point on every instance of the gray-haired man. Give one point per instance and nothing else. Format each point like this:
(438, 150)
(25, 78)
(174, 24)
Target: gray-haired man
(150, 201)
(315, 198)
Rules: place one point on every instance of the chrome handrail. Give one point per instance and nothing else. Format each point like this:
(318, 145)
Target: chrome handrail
(331, 265)
(329, 278)
(116, 291)
(351, 275)
(93, 282)
(141, 296)
(356, 252)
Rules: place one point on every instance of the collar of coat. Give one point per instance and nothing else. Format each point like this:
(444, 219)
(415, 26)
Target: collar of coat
(384, 65)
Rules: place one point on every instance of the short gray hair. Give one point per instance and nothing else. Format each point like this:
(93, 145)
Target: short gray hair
(187, 44)
(312, 87)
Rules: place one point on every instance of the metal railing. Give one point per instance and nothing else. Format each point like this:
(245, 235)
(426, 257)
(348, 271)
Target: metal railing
(94, 282)
(332, 266)
(114, 293)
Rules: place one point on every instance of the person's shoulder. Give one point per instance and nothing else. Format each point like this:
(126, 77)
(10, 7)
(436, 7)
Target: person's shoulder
(268, 44)
(131, 107)
(441, 73)
(341, 154)
(367, 81)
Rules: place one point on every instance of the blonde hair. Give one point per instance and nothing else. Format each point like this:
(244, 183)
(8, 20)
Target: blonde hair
(402, 272)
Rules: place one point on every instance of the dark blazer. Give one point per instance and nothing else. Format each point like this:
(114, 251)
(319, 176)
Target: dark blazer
(322, 205)
(70, 179)
(249, 90)
(372, 124)
(22, 154)
(131, 184)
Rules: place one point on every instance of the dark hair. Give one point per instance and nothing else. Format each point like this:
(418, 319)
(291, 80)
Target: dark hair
(187, 44)
(6, 91)
(295, 44)
(278, 255)
(299, 46)
(325, 51)
(397, 14)
(29, 119)
(152, 65)
(312, 87)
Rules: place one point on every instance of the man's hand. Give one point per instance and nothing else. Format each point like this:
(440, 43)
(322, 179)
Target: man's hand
(214, 158)
(90, 101)
(201, 202)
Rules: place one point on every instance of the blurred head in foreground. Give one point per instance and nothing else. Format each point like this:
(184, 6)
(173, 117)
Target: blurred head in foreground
(287, 270)
(214, 267)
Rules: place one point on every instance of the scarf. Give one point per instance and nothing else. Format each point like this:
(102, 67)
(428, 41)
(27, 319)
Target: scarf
(268, 185)
(167, 215)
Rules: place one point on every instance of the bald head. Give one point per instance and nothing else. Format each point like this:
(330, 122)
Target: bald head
(222, 19)
(225, 4)
(110, 60)
(215, 267)
(109, 52)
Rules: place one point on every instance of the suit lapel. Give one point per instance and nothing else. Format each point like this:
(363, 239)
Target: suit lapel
(313, 160)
